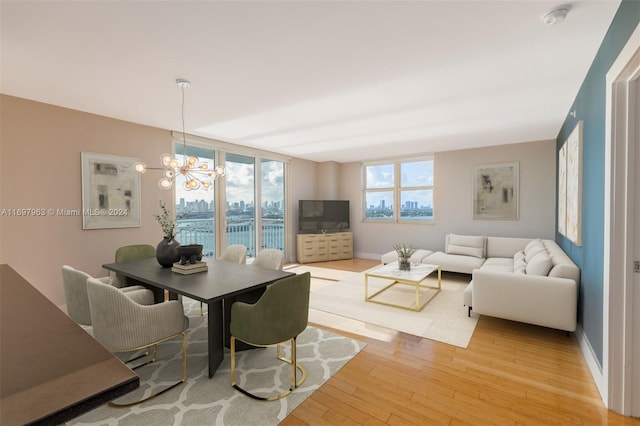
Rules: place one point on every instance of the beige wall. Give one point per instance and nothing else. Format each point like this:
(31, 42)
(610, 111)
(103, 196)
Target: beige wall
(40, 148)
(453, 200)
(50, 140)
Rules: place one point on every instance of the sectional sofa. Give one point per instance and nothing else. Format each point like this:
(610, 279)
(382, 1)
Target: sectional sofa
(519, 279)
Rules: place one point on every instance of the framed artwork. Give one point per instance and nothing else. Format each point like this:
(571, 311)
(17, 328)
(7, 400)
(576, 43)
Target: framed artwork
(573, 214)
(562, 189)
(496, 191)
(110, 192)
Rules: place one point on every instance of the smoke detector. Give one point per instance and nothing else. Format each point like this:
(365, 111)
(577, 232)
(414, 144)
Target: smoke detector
(555, 15)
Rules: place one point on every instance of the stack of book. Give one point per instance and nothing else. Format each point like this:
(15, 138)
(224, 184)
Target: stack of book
(189, 268)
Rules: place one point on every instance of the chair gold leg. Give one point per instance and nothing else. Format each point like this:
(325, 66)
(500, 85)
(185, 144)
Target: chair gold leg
(294, 365)
(184, 376)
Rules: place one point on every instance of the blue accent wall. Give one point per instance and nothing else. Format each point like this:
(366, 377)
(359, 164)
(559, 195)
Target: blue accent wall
(589, 106)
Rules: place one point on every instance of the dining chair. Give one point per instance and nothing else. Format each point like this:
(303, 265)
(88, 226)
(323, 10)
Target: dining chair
(279, 316)
(235, 253)
(123, 325)
(269, 259)
(129, 253)
(75, 293)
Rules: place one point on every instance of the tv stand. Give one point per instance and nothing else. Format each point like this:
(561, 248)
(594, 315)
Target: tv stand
(324, 247)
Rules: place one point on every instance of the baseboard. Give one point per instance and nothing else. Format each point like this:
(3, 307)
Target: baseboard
(592, 362)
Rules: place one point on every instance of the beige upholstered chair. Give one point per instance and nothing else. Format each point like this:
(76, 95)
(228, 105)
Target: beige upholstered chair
(75, 293)
(123, 325)
(269, 259)
(235, 253)
(279, 316)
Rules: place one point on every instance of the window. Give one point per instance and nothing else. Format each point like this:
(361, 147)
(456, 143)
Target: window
(399, 191)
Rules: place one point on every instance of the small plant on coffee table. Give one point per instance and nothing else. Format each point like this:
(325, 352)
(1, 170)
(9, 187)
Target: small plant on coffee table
(404, 252)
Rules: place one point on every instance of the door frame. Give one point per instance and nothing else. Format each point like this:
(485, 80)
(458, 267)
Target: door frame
(617, 387)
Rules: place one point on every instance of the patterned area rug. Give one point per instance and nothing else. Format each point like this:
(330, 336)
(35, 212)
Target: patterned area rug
(443, 319)
(204, 401)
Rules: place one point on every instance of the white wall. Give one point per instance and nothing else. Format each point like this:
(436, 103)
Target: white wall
(453, 200)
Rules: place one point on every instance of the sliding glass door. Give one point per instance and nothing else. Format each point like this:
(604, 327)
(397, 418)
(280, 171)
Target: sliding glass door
(196, 209)
(272, 197)
(240, 220)
(249, 209)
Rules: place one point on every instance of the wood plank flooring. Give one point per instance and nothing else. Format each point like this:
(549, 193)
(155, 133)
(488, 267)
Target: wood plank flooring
(511, 374)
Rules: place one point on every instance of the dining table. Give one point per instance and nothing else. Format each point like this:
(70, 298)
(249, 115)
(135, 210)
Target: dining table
(219, 286)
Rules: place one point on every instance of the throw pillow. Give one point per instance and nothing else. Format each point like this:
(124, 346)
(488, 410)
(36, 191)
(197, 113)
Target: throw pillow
(465, 251)
(518, 256)
(539, 265)
(519, 264)
(532, 244)
(534, 251)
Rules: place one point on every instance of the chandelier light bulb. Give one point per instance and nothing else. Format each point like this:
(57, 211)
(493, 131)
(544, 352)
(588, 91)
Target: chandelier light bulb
(206, 184)
(219, 170)
(165, 159)
(140, 167)
(204, 166)
(174, 164)
(165, 183)
(192, 161)
(169, 173)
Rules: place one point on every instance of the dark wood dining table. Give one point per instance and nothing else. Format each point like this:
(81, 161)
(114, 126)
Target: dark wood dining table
(221, 285)
(51, 370)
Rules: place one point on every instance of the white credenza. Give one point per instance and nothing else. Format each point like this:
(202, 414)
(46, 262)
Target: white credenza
(324, 247)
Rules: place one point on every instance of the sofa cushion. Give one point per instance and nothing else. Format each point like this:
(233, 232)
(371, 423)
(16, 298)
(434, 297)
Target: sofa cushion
(540, 265)
(454, 262)
(502, 264)
(471, 241)
(465, 250)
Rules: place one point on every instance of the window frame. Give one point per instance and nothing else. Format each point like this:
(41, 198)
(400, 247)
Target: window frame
(397, 190)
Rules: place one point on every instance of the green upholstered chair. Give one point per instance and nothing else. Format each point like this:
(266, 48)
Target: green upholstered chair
(123, 325)
(129, 253)
(279, 316)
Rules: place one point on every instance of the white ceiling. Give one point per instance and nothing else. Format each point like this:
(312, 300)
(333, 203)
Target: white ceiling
(321, 80)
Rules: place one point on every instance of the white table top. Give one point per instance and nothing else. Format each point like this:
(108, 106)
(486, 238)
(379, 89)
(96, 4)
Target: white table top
(417, 272)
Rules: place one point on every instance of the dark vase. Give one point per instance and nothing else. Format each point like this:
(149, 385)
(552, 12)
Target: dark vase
(167, 252)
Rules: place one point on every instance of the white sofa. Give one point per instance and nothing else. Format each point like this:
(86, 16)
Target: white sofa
(519, 279)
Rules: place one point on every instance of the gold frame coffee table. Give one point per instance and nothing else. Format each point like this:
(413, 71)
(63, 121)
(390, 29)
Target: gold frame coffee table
(414, 277)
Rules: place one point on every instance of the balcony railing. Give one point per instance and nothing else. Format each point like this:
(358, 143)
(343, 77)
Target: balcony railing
(202, 231)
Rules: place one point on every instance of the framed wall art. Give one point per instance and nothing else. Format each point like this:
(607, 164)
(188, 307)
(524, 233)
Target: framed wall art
(570, 186)
(110, 192)
(496, 191)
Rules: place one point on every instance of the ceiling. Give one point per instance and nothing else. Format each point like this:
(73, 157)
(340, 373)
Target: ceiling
(321, 80)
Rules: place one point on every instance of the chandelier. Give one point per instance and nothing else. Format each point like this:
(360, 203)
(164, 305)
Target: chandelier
(196, 174)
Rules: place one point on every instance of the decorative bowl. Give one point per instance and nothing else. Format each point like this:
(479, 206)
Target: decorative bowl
(190, 253)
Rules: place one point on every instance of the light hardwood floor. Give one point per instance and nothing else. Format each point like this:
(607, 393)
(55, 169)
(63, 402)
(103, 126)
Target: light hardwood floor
(510, 374)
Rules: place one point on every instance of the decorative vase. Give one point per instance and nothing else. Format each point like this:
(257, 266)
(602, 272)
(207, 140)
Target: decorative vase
(404, 264)
(167, 252)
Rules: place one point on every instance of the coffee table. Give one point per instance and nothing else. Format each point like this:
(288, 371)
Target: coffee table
(413, 277)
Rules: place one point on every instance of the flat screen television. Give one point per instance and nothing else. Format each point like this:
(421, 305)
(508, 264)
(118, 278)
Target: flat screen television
(323, 215)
